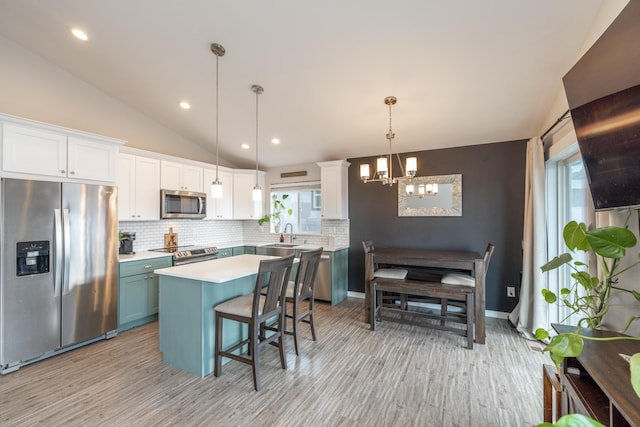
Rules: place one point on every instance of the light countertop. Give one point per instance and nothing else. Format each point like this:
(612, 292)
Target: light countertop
(142, 255)
(216, 270)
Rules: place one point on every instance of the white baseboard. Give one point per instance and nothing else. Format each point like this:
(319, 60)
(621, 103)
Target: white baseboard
(488, 313)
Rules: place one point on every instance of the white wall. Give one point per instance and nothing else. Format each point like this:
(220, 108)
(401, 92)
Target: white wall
(33, 88)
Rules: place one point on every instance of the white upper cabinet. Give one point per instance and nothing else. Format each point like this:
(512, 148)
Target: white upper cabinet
(244, 207)
(219, 208)
(334, 186)
(138, 188)
(180, 176)
(49, 151)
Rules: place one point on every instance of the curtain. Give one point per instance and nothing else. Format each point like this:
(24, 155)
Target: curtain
(532, 311)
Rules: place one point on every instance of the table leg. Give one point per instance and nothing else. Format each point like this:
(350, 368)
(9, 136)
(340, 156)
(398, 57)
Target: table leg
(480, 301)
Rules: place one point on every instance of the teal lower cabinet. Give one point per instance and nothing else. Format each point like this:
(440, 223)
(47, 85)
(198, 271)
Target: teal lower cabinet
(226, 252)
(339, 275)
(138, 292)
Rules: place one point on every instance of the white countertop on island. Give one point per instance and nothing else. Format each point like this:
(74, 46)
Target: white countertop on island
(217, 270)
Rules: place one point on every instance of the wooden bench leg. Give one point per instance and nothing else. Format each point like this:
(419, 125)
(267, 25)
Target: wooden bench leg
(372, 309)
(470, 319)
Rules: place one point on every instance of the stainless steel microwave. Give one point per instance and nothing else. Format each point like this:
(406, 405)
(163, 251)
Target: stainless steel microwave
(182, 204)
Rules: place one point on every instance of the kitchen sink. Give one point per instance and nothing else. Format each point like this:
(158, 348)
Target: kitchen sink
(276, 249)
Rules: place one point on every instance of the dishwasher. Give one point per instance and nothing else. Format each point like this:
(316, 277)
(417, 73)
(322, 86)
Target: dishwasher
(322, 286)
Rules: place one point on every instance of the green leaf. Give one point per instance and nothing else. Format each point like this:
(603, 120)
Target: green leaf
(565, 345)
(557, 262)
(611, 242)
(549, 296)
(565, 291)
(583, 278)
(575, 236)
(634, 367)
(574, 420)
(542, 334)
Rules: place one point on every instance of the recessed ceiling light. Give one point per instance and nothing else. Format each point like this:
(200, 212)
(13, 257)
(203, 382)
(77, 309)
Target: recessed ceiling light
(184, 105)
(275, 141)
(245, 146)
(79, 34)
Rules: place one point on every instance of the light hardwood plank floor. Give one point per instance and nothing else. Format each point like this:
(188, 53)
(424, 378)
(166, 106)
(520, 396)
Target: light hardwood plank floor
(399, 375)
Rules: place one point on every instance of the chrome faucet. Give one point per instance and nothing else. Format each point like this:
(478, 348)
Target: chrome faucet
(290, 231)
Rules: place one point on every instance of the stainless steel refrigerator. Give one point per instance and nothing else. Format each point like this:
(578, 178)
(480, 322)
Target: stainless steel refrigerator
(59, 268)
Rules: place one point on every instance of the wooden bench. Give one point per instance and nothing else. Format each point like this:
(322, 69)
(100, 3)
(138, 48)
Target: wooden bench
(410, 287)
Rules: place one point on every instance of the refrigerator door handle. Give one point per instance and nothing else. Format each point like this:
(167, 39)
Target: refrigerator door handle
(57, 224)
(67, 249)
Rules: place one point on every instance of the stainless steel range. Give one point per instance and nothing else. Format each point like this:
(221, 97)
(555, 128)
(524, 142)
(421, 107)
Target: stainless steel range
(191, 253)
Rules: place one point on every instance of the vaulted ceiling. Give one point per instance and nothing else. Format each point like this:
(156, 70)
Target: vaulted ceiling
(464, 72)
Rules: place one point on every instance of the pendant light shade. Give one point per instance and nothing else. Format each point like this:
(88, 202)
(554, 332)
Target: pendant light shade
(216, 186)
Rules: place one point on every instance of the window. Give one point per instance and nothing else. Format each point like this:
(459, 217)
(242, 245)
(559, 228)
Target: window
(568, 200)
(304, 201)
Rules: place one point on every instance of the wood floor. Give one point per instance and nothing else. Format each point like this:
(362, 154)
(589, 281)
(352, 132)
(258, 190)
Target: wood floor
(399, 375)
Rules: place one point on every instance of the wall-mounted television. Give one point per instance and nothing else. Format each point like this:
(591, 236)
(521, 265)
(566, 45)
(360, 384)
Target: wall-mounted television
(608, 131)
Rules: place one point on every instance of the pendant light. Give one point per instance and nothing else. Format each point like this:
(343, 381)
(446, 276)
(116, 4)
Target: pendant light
(257, 190)
(216, 186)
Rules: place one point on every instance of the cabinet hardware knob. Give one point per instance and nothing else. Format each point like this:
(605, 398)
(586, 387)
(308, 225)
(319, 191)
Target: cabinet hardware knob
(148, 266)
(63, 171)
(72, 173)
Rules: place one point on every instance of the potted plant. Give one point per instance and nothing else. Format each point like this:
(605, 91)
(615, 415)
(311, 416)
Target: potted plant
(278, 209)
(590, 295)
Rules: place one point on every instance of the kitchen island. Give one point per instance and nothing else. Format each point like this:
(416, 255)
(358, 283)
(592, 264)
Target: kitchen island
(188, 294)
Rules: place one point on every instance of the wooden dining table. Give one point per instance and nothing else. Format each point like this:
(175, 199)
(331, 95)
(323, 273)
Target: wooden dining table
(468, 261)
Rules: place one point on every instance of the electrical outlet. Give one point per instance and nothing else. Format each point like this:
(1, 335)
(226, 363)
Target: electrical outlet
(511, 292)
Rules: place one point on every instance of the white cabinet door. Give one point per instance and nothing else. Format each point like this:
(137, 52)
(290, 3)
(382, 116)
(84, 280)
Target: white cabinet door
(33, 151)
(219, 208)
(334, 188)
(138, 188)
(147, 189)
(244, 207)
(91, 160)
(170, 175)
(192, 178)
(178, 176)
(126, 186)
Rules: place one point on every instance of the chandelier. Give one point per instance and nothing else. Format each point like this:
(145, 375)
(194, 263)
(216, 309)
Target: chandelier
(384, 164)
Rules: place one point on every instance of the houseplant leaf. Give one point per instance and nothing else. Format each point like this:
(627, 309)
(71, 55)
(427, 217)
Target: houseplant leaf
(557, 262)
(575, 236)
(611, 242)
(634, 367)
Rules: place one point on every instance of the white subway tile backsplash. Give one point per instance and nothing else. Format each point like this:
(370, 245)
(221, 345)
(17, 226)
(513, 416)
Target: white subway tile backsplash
(150, 234)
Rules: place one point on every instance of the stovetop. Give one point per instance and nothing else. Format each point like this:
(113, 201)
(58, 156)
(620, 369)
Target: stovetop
(188, 251)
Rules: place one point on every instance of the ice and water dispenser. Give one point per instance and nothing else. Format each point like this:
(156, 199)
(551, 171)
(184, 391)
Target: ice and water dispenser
(32, 257)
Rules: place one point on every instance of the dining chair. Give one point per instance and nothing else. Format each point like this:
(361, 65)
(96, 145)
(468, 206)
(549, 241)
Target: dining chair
(455, 278)
(299, 291)
(255, 310)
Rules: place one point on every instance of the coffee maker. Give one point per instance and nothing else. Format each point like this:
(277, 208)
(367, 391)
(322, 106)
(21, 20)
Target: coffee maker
(126, 243)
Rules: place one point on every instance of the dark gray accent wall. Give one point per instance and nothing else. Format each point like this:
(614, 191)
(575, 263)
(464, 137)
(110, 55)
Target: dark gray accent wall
(493, 185)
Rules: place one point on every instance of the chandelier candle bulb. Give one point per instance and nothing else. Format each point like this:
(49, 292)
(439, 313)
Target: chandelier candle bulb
(412, 166)
(382, 166)
(364, 171)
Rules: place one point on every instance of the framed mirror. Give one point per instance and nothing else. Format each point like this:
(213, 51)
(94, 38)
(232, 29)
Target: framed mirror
(446, 202)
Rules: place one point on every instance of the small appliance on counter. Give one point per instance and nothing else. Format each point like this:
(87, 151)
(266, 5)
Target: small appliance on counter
(126, 243)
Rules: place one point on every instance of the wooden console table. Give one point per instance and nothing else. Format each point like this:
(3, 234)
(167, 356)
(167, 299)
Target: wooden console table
(597, 382)
(444, 259)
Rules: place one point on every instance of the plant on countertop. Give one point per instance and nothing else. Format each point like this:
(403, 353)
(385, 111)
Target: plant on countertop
(277, 211)
(590, 296)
